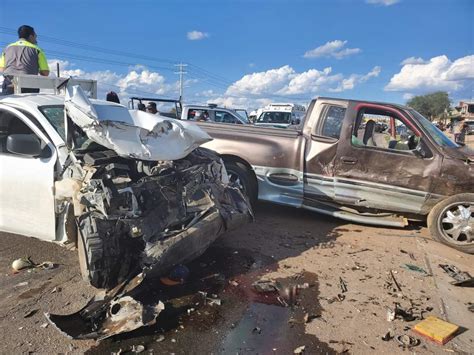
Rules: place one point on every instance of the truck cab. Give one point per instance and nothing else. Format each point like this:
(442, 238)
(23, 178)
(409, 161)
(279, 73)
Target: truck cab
(280, 115)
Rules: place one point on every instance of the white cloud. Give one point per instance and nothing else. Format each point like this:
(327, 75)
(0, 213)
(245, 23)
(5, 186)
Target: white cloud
(413, 60)
(139, 80)
(439, 73)
(196, 35)
(354, 79)
(333, 49)
(382, 2)
(407, 96)
(284, 83)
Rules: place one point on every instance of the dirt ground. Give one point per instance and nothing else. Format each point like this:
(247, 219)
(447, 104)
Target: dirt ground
(310, 256)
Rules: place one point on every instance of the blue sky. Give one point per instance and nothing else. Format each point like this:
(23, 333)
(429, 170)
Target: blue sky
(247, 53)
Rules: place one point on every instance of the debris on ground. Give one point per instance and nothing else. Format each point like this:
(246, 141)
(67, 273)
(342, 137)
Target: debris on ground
(393, 282)
(343, 285)
(462, 278)
(397, 312)
(137, 349)
(359, 251)
(160, 338)
(27, 263)
(436, 329)
(415, 268)
(110, 314)
(22, 263)
(256, 330)
(407, 341)
(30, 313)
(263, 286)
(388, 336)
(299, 349)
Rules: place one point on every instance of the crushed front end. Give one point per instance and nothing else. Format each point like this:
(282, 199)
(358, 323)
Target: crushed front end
(150, 216)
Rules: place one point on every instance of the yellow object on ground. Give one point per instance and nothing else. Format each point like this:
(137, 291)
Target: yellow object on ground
(436, 329)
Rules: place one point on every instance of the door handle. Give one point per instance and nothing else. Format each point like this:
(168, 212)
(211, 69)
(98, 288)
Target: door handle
(348, 160)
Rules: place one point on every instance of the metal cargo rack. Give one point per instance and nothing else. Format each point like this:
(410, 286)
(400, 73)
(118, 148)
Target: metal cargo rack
(57, 85)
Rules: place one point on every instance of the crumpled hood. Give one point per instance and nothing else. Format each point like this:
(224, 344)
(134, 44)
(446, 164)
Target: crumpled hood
(132, 134)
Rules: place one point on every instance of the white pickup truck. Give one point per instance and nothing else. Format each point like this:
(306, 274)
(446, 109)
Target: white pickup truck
(138, 189)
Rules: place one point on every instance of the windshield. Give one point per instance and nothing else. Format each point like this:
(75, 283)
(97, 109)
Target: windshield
(439, 137)
(243, 114)
(275, 117)
(55, 115)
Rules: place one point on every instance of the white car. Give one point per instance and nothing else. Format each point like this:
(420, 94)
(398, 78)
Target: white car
(136, 186)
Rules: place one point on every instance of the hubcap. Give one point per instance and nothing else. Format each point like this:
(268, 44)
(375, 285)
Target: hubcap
(457, 223)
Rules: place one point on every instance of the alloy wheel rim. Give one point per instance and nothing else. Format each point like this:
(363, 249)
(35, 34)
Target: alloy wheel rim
(456, 223)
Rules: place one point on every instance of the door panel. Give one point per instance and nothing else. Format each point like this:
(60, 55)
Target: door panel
(26, 188)
(327, 117)
(379, 169)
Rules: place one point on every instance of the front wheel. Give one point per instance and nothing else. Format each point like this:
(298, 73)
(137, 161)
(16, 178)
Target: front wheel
(452, 222)
(241, 177)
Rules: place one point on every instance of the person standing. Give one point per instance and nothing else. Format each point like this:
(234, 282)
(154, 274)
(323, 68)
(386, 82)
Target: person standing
(151, 108)
(22, 57)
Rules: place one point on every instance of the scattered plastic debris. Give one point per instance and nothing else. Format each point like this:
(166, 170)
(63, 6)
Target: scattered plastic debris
(160, 338)
(44, 325)
(462, 278)
(27, 263)
(407, 341)
(21, 284)
(21, 264)
(388, 336)
(233, 283)
(399, 313)
(137, 349)
(436, 329)
(299, 349)
(415, 268)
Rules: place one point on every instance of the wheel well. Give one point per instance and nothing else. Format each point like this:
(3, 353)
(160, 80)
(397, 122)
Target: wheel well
(236, 159)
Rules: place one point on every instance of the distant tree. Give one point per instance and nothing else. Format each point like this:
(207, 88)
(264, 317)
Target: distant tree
(431, 105)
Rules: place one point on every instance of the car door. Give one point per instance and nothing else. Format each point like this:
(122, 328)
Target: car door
(323, 128)
(26, 183)
(383, 161)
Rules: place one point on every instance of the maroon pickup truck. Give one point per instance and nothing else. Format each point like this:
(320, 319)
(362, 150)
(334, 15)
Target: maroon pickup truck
(365, 162)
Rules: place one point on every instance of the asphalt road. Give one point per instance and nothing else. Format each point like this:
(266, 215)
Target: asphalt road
(291, 246)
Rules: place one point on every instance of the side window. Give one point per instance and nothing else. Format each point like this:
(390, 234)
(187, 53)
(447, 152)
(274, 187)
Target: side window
(375, 128)
(10, 124)
(333, 122)
(224, 117)
(198, 115)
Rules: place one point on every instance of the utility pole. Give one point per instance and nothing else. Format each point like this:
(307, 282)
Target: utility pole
(181, 73)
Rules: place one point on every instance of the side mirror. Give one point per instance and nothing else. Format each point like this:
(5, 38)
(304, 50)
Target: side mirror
(296, 121)
(24, 144)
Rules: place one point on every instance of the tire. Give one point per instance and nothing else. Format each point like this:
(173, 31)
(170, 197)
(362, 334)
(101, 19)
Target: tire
(241, 177)
(91, 252)
(451, 222)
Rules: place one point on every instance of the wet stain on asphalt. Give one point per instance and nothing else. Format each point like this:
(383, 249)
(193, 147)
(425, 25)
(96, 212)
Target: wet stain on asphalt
(246, 321)
(34, 291)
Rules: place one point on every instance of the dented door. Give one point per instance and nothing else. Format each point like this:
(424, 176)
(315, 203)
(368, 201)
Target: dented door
(383, 170)
(324, 123)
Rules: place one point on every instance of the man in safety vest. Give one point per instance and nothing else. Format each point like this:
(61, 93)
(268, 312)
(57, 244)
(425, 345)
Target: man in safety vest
(22, 57)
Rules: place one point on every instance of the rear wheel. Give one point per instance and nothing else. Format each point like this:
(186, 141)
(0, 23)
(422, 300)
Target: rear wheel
(452, 222)
(241, 177)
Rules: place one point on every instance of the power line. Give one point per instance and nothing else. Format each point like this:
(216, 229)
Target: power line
(181, 73)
